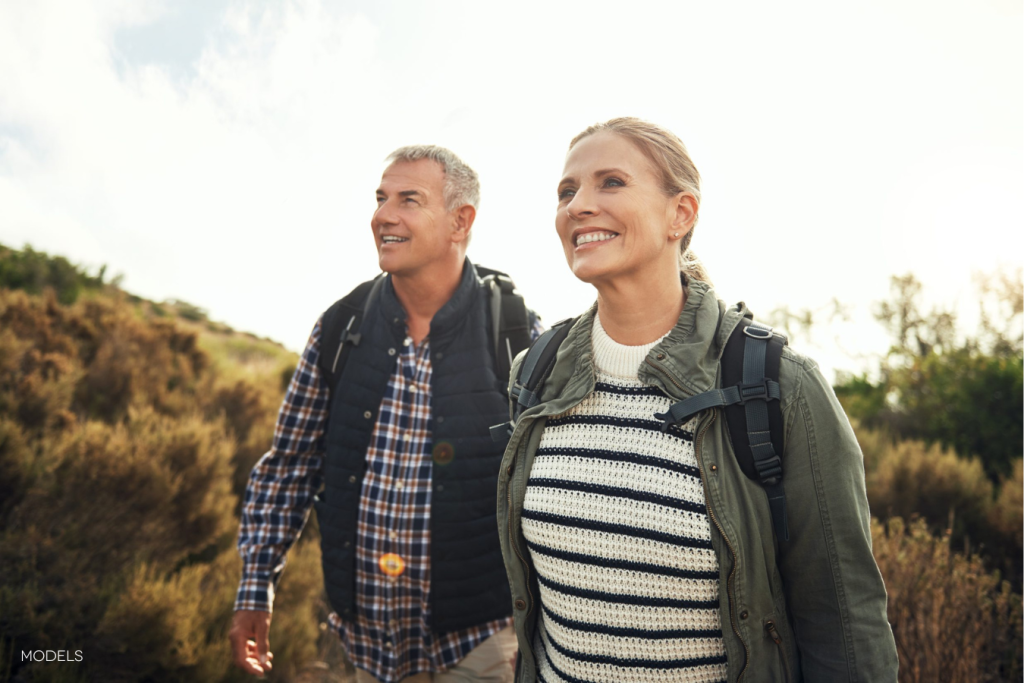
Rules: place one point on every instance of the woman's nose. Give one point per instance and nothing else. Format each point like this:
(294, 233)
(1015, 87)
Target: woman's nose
(581, 205)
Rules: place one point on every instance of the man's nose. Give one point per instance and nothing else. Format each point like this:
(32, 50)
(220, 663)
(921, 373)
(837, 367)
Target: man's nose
(385, 214)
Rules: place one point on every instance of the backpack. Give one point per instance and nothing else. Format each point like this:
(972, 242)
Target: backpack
(749, 396)
(339, 327)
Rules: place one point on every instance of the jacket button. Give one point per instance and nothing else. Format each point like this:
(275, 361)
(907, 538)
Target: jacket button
(440, 419)
(714, 468)
(660, 356)
(352, 479)
(439, 355)
(367, 414)
(520, 604)
(440, 488)
(346, 544)
(744, 614)
(391, 351)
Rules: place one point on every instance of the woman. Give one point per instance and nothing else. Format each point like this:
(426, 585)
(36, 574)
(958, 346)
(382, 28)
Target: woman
(641, 554)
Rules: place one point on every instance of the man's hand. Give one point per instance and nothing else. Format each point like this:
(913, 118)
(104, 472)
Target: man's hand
(250, 641)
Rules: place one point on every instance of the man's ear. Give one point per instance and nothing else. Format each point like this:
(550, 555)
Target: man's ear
(462, 222)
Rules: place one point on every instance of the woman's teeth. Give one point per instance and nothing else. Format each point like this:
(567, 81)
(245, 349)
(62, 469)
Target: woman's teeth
(594, 237)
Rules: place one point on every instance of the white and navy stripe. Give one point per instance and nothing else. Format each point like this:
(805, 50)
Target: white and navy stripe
(618, 531)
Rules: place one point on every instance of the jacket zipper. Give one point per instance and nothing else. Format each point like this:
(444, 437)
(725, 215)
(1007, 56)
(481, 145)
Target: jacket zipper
(774, 633)
(511, 535)
(711, 515)
(732, 551)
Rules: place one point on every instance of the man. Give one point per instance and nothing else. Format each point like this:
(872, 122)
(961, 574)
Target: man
(400, 442)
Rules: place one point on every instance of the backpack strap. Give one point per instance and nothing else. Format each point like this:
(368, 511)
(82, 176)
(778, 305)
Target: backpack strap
(510, 322)
(339, 330)
(533, 372)
(750, 396)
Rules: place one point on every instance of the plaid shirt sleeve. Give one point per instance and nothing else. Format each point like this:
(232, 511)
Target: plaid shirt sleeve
(283, 483)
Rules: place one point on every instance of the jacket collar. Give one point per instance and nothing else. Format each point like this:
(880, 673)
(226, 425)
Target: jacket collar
(447, 320)
(683, 364)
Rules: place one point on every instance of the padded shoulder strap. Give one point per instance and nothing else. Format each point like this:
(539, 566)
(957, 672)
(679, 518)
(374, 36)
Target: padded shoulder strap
(749, 395)
(533, 372)
(510, 324)
(339, 330)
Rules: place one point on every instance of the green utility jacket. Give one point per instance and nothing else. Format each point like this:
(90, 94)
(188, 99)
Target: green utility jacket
(810, 609)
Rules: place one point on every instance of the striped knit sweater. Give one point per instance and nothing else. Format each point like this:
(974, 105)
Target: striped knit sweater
(616, 524)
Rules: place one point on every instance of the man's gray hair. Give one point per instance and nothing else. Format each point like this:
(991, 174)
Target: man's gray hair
(461, 184)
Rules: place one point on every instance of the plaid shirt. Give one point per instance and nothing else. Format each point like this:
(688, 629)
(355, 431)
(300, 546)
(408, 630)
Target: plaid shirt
(389, 636)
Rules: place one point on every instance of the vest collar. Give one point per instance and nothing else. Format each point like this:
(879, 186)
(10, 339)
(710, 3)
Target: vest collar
(451, 316)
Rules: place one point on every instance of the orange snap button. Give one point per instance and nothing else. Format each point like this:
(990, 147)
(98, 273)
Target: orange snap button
(391, 564)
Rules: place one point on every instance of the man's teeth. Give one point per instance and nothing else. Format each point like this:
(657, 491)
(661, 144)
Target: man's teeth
(392, 238)
(594, 237)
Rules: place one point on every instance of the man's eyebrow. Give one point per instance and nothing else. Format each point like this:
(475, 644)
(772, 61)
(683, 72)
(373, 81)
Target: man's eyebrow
(403, 193)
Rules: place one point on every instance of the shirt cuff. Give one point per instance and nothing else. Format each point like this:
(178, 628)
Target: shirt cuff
(256, 591)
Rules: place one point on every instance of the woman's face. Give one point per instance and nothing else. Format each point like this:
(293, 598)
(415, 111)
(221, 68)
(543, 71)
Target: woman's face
(613, 218)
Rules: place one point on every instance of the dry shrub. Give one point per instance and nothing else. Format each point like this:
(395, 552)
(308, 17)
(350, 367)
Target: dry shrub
(953, 622)
(1007, 515)
(121, 449)
(911, 479)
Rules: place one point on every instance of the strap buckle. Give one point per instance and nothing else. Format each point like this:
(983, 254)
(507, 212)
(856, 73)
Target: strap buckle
(755, 391)
(756, 331)
(769, 469)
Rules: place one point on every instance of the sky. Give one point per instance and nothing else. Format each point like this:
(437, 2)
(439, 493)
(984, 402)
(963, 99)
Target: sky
(226, 152)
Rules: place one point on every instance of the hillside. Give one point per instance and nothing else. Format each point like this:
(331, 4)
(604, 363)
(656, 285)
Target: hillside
(128, 429)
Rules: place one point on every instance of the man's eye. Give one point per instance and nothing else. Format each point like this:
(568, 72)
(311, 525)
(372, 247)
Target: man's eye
(381, 200)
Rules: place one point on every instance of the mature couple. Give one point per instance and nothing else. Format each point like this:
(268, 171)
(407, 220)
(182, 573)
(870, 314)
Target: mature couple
(632, 538)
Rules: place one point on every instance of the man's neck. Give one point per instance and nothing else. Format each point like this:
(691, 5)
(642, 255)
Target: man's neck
(423, 294)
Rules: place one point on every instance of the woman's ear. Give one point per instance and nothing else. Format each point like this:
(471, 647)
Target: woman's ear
(684, 206)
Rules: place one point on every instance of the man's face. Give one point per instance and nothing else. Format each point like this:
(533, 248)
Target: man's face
(411, 226)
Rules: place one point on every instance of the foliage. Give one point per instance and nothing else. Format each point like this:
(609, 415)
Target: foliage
(125, 440)
(953, 621)
(946, 491)
(967, 395)
(35, 271)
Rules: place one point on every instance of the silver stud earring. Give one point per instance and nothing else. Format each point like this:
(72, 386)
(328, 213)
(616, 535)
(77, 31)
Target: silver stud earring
(676, 234)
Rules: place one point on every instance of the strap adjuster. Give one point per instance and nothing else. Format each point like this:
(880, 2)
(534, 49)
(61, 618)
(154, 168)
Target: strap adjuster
(769, 469)
(756, 331)
(755, 391)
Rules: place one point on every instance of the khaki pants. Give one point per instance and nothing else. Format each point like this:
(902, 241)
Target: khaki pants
(488, 662)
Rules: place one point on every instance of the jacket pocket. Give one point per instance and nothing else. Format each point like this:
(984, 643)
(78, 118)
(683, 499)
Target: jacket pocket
(771, 629)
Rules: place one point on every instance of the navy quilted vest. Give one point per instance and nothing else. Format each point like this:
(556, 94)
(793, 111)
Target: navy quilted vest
(468, 582)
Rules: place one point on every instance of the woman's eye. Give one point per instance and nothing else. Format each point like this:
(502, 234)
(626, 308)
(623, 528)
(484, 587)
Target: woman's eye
(613, 182)
(566, 193)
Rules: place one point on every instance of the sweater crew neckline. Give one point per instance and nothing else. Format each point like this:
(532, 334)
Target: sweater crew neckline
(615, 359)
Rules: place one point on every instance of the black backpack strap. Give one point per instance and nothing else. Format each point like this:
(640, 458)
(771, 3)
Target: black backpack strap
(533, 372)
(509, 319)
(750, 397)
(339, 331)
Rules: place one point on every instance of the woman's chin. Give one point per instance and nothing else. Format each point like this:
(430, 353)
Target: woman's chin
(587, 271)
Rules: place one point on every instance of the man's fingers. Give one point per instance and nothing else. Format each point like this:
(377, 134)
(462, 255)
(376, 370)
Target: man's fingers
(249, 631)
(263, 640)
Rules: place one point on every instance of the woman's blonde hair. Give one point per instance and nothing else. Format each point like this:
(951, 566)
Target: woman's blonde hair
(678, 174)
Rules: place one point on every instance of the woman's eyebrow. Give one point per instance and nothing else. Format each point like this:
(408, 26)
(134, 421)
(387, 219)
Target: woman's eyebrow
(611, 171)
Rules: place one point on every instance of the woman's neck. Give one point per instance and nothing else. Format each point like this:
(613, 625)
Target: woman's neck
(639, 311)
